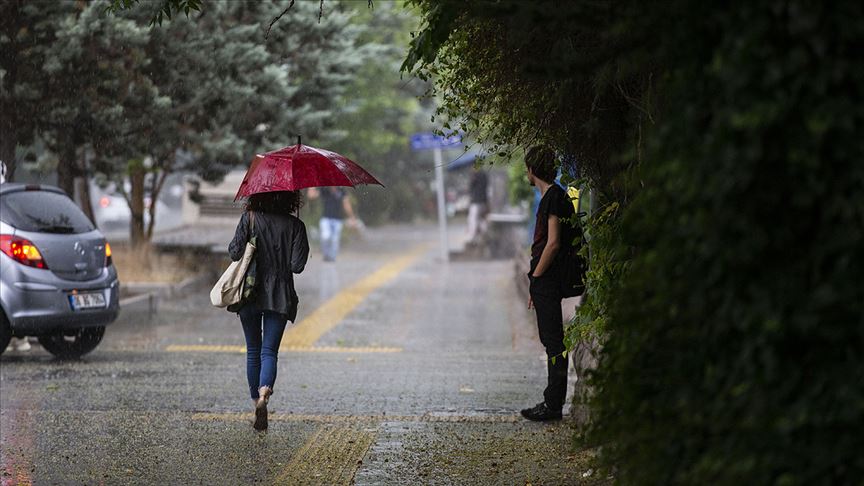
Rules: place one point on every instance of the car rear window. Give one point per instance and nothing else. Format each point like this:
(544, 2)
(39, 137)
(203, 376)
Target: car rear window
(43, 212)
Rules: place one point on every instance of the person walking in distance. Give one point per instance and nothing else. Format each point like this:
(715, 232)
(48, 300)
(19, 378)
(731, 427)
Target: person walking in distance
(479, 207)
(281, 250)
(336, 207)
(550, 233)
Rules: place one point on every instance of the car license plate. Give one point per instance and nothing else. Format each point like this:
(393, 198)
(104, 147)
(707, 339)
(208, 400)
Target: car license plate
(91, 300)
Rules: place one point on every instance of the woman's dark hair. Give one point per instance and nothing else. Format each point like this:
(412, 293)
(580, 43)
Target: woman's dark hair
(279, 202)
(541, 161)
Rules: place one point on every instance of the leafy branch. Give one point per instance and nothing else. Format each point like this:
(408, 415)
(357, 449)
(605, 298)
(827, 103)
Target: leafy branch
(320, 14)
(166, 10)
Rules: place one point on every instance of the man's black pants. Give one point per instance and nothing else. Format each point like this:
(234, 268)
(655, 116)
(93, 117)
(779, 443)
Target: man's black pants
(546, 295)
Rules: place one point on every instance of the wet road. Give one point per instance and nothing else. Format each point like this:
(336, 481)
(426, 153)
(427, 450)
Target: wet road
(400, 369)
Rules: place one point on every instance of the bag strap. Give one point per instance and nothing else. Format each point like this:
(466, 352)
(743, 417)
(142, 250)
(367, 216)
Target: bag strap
(251, 225)
(566, 228)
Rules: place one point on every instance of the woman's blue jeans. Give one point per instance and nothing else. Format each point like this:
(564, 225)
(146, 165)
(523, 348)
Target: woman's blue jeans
(263, 330)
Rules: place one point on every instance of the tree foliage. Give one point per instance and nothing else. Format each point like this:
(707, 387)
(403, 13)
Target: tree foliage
(380, 115)
(27, 31)
(524, 73)
(119, 99)
(735, 344)
(89, 81)
(161, 10)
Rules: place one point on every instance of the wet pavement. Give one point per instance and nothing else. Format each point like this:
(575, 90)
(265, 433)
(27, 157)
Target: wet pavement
(400, 369)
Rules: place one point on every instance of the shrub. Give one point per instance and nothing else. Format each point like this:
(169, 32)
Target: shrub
(734, 347)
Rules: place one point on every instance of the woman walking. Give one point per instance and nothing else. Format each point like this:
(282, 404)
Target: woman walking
(281, 251)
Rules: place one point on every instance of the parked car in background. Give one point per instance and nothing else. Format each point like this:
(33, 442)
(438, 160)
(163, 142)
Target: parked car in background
(57, 280)
(113, 216)
(111, 212)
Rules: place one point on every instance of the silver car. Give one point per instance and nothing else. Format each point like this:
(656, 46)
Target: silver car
(57, 281)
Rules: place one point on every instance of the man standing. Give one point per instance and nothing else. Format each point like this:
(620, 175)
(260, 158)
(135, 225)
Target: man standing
(336, 206)
(551, 231)
(479, 206)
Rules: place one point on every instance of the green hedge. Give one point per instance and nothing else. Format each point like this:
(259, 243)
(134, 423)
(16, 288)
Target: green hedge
(735, 349)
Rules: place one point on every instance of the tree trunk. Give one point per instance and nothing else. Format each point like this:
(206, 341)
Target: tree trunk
(7, 149)
(155, 190)
(82, 187)
(8, 107)
(66, 169)
(136, 203)
(83, 191)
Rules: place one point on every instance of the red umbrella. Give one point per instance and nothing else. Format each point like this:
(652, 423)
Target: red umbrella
(298, 167)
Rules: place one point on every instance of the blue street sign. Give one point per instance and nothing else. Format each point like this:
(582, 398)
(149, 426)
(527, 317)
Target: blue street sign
(429, 141)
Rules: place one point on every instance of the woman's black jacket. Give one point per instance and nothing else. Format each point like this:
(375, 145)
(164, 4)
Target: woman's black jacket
(281, 251)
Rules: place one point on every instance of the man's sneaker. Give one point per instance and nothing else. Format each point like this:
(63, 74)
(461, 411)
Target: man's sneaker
(541, 413)
(20, 344)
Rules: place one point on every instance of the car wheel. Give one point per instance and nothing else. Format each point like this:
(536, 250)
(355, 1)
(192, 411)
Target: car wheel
(5, 332)
(74, 343)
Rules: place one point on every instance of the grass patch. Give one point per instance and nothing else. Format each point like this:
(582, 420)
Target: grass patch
(145, 264)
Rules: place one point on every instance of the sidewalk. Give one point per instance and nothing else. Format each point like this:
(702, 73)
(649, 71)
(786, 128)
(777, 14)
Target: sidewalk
(442, 410)
(418, 379)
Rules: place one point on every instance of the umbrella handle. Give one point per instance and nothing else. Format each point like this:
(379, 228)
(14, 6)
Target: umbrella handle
(298, 139)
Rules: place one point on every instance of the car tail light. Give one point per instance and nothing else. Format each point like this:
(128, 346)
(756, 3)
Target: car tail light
(108, 260)
(22, 251)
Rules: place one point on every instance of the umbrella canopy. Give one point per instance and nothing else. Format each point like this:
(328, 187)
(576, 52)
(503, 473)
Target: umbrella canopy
(298, 167)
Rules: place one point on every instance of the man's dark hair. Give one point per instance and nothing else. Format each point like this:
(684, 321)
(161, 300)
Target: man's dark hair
(284, 202)
(541, 161)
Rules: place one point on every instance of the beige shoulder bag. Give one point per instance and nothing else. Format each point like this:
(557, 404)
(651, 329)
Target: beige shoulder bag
(229, 288)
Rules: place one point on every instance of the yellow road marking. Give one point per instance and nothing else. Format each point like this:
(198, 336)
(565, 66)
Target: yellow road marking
(332, 312)
(201, 348)
(216, 348)
(362, 419)
(331, 455)
(23, 478)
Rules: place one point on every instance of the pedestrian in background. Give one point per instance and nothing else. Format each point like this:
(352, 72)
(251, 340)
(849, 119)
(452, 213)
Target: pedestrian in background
(281, 250)
(478, 209)
(550, 233)
(336, 206)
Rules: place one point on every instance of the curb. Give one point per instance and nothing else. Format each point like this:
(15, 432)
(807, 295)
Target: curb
(151, 293)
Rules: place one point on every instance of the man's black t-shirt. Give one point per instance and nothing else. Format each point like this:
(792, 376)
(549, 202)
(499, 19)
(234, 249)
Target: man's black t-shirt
(332, 198)
(556, 202)
(479, 183)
